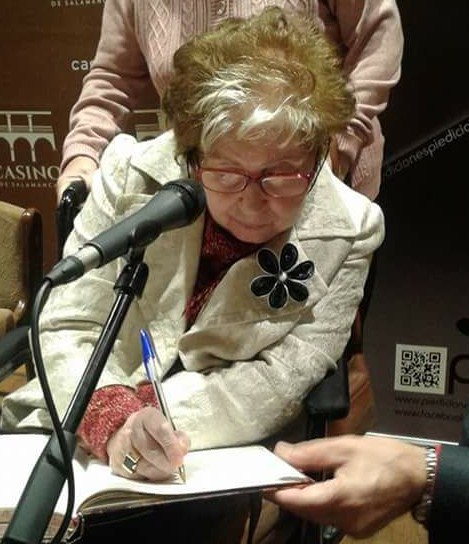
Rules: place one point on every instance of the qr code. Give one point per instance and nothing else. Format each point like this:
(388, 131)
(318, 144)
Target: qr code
(420, 369)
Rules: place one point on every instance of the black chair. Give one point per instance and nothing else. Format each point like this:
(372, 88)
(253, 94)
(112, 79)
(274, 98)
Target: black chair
(328, 401)
(71, 201)
(15, 351)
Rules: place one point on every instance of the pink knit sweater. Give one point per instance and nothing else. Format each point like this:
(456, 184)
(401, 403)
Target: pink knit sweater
(139, 37)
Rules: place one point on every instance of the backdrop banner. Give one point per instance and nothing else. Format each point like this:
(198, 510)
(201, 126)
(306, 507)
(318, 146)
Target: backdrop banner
(46, 50)
(419, 357)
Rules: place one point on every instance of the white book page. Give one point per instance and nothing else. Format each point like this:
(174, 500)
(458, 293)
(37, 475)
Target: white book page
(18, 456)
(207, 471)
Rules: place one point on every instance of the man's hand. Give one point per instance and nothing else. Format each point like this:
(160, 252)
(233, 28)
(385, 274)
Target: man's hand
(375, 480)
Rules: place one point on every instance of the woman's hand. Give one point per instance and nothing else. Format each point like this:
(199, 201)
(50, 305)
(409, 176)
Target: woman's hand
(338, 161)
(148, 438)
(79, 167)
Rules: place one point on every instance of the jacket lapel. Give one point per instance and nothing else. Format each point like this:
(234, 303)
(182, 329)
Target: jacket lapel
(253, 325)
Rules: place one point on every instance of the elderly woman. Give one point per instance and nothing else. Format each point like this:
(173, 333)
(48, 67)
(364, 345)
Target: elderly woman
(251, 304)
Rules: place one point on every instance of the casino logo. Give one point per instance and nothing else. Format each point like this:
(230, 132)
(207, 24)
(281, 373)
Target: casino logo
(29, 157)
(25, 134)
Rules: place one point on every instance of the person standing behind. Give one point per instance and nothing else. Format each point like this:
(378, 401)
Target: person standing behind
(139, 37)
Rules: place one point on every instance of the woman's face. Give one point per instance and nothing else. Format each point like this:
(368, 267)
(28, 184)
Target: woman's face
(252, 215)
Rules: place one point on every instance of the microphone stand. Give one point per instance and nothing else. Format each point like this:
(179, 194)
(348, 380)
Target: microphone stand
(36, 505)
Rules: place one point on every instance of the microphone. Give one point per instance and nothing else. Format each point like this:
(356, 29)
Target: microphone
(176, 205)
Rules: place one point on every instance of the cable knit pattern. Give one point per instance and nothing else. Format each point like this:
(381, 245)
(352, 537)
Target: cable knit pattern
(162, 34)
(150, 31)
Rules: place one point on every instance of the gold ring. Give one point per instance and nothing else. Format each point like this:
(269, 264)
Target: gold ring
(130, 463)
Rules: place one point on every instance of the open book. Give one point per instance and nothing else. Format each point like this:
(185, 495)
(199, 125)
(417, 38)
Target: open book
(98, 491)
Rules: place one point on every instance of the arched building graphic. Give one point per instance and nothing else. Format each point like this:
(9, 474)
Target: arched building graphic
(28, 125)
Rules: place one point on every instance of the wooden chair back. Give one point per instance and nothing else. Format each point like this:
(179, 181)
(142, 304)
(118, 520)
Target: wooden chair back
(21, 273)
(21, 262)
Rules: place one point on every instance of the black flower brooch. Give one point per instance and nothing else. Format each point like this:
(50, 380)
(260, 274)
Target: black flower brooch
(283, 279)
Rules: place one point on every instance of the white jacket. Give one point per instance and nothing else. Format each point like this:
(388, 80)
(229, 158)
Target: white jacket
(247, 367)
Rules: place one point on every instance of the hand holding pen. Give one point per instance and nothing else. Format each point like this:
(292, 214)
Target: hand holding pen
(150, 361)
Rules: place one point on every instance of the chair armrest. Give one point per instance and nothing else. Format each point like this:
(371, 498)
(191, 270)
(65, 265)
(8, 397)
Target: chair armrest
(331, 398)
(15, 351)
(70, 204)
(7, 321)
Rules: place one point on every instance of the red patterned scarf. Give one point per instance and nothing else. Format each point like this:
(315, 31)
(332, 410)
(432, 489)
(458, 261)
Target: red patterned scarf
(220, 250)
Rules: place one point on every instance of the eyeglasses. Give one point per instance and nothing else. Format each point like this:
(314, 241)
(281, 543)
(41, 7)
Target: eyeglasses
(278, 185)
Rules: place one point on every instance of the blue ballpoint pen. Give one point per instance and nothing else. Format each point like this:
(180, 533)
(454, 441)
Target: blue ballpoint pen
(150, 360)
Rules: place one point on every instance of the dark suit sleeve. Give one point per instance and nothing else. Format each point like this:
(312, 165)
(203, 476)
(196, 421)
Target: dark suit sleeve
(449, 514)
(465, 428)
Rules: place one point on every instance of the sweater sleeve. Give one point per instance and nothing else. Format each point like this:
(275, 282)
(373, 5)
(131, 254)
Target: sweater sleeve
(106, 412)
(370, 40)
(117, 78)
